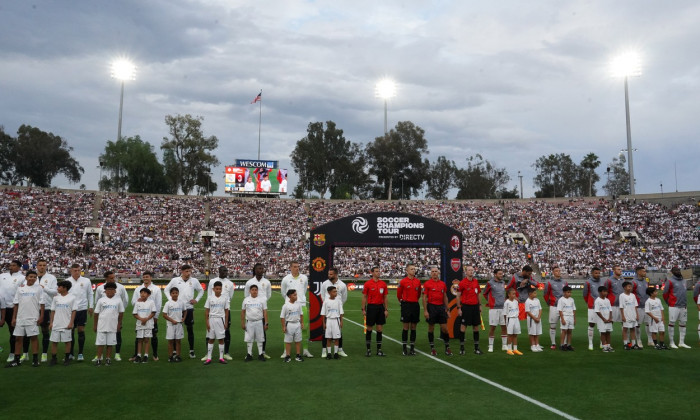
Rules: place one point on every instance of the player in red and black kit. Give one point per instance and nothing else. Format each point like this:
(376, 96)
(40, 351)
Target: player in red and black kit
(375, 309)
(435, 293)
(408, 292)
(469, 308)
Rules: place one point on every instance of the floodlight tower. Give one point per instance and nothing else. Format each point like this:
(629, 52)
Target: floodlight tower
(386, 89)
(625, 66)
(122, 70)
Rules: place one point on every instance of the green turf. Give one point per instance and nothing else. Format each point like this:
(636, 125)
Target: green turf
(583, 384)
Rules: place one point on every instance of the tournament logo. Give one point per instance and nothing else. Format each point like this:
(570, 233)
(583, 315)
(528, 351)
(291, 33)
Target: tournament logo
(319, 239)
(318, 264)
(455, 263)
(454, 243)
(360, 225)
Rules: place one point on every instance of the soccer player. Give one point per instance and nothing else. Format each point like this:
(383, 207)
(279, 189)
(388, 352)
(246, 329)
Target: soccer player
(375, 309)
(63, 308)
(332, 313)
(603, 310)
(408, 293)
(9, 282)
(110, 277)
(533, 309)
(342, 289)
(615, 289)
(640, 290)
(156, 297)
(590, 294)
(567, 316)
(264, 291)
(495, 295)
(48, 283)
(552, 293)
(174, 312)
(187, 285)
(227, 288)
(675, 297)
(630, 317)
(26, 317)
(254, 322)
(292, 319)
(299, 282)
(216, 313)
(522, 283)
(469, 310)
(81, 287)
(655, 309)
(144, 311)
(511, 313)
(109, 311)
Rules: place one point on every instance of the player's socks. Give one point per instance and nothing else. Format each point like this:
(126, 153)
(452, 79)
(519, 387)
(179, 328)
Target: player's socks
(431, 340)
(35, 358)
(404, 337)
(476, 339)
(260, 349)
(491, 340)
(210, 348)
(681, 331)
(221, 351)
(671, 333)
(249, 347)
(510, 347)
(45, 343)
(553, 335)
(590, 336)
(504, 341)
(379, 340)
(368, 339)
(81, 342)
(154, 344)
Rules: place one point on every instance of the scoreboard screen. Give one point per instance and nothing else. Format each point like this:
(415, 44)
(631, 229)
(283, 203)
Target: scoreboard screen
(258, 180)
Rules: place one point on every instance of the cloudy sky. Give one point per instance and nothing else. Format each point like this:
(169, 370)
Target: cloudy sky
(510, 80)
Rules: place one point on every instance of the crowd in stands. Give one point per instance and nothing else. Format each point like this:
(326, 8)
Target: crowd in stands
(160, 233)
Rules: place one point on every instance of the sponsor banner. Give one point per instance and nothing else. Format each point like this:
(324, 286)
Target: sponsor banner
(248, 163)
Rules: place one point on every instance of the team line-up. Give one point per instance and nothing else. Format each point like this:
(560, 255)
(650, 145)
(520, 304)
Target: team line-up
(37, 301)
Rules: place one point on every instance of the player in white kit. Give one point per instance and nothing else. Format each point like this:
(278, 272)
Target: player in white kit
(174, 312)
(332, 313)
(63, 308)
(216, 312)
(254, 322)
(292, 319)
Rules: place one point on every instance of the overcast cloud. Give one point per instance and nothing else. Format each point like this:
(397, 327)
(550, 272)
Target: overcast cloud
(510, 80)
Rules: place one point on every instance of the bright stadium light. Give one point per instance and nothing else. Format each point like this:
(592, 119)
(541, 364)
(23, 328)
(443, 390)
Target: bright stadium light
(122, 70)
(385, 89)
(627, 65)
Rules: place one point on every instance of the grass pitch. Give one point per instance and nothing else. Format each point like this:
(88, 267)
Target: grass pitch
(552, 384)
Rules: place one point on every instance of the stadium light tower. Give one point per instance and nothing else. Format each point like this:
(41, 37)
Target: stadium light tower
(122, 70)
(386, 89)
(627, 65)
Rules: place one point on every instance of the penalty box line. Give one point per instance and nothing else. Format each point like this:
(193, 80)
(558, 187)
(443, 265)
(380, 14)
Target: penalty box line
(482, 379)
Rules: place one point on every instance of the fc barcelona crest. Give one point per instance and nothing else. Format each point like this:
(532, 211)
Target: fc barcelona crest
(319, 239)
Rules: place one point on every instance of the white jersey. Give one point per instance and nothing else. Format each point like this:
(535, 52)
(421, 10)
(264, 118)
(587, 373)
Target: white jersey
(603, 307)
(121, 293)
(8, 288)
(156, 296)
(254, 307)
(533, 306)
(566, 306)
(217, 305)
(82, 289)
(291, 312)
(49, 283)
(654, 307)
(264, 287)
(227, 287)
(174, 309)
(628, 304)
(299, 283)
(108, 310)
(186, 289)
(339, 285)
(28, 298)
(332, 308)
(143, 310)
(511, 309)
(62, 308)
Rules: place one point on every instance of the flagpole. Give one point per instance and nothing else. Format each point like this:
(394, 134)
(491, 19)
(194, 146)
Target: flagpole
(259, 124)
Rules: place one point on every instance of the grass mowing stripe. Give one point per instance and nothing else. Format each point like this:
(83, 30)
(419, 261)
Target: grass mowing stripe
(482, 379)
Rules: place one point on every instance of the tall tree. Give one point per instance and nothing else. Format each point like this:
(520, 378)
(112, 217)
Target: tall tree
(134, 166)
(481, 179)
(441, 177)
(191, 153)
(589, 164)
(8, 145)
(396, 161)
(40, 156)
(556, 176)
(618, 182)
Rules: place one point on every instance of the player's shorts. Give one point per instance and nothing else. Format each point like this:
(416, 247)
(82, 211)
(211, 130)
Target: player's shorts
(592, 316)
(522, 315)
(46, 321)
(534, 328)
(604, 326)
(656, 327)
(293, 334)
(677, 314)
(553, 316)
(174, 332)
(26, 331)
(60, 336)
(437, 314)
(333, 328)
(569, 323)
(616, 314)
(496, 317)
(471, 315)
(254, 331)
(147, 333)
(189, 317)
(216, 329)
(80, 318)
(106, 338)
(375, 315)
(410, 312)
(513, 326)
(643, 317)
